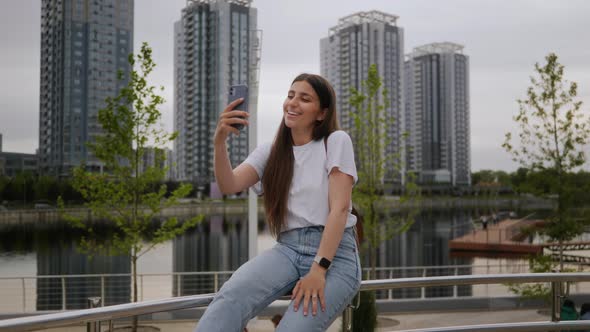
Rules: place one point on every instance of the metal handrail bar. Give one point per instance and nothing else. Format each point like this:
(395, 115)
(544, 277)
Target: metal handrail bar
(434, 267)
(516, 327)
(171, 304)
(51, 276)
(396, 268)
(475, 279)
(104, 313)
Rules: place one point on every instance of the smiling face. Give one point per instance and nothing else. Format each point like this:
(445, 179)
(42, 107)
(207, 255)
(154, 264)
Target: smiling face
(301, 108)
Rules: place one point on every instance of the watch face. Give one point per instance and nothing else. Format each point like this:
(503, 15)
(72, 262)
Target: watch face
(325, 263)
(322, 262)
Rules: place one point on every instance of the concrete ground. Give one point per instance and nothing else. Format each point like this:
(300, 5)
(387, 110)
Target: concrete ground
(425, 320)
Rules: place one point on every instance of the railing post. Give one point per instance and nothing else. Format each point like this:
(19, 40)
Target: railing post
(347, 319)
(141, 285)
(216, 282)
(178, 285)
(102, 290)
(63, 293)
(93, 326)
(555, 301)
(24, 295)
(423, 289)
(455, 290)
(390, 292)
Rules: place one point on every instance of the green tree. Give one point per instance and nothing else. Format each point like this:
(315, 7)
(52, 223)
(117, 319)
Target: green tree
(553, 131)
(580, 193)
(124, 194)
(3, 184)
(43, 187)
(485, 175)
(537, 291)
(490, 176)
(371, 121)
(518, 179)
(20, 188)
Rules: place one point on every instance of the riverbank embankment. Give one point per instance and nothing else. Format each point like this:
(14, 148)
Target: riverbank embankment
(236, 207)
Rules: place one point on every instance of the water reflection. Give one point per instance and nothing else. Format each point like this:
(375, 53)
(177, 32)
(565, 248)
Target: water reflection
(219, 243)
(426, 244)
(57, 258)
(66, 259)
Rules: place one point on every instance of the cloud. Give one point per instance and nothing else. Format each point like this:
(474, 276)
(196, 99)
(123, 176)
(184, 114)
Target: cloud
(502, 38)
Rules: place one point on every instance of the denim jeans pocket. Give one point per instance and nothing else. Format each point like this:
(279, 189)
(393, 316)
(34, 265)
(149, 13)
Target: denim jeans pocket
(348, 269)
(348, 243)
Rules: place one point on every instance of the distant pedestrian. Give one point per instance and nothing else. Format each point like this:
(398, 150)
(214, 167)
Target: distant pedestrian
(568, 311)
(484, 222)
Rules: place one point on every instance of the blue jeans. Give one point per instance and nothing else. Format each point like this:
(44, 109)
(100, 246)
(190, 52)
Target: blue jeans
(274, 273)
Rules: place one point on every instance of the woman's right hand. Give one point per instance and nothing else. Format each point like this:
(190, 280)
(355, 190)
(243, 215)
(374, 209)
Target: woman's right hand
(228, 117)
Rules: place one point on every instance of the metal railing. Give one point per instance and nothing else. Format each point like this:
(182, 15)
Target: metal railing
(54, 215)
(110, 313)
(513, 327)
(66, 292)
(499, 236)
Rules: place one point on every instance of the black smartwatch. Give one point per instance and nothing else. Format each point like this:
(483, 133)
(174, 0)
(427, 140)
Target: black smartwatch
(322, 261)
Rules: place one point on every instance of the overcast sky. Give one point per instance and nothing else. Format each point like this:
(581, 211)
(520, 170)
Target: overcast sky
(502, 38)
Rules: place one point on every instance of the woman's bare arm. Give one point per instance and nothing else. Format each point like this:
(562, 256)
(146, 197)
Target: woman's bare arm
(231, 181)
(340, 193)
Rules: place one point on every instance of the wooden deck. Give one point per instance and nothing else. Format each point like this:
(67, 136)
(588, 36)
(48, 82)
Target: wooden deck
(501, 238)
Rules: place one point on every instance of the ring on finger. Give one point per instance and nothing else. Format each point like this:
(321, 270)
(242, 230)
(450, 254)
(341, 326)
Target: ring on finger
(314, 296)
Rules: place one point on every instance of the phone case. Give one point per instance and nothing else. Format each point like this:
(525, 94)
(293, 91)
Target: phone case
(237, 92)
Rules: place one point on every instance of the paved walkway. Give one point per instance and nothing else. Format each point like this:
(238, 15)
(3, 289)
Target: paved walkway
(425, 320)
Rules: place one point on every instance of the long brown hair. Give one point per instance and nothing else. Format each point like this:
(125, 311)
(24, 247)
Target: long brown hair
(278, 172)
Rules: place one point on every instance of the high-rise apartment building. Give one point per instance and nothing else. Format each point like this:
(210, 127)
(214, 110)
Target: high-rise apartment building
(355, 43)
(437, 114)
(84, 43)
(216, 44)
(159, 158)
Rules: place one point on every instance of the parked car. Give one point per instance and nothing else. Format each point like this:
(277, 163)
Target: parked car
(3, 208)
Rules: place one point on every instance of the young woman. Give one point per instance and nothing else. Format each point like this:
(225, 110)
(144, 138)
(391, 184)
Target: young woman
(307, 175)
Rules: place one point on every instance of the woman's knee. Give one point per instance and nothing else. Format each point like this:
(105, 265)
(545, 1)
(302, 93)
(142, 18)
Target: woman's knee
(223, 314)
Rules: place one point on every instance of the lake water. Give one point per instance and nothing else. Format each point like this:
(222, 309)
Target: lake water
(220, 243)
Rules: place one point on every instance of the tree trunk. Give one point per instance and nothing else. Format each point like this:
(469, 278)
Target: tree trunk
(373, 243)
(560, 256)
(373, 261)
(134, 277)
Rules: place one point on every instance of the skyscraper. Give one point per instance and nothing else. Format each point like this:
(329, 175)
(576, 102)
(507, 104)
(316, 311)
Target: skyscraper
(437, 114)
(216, 44)
(83, 45)
(355, 43)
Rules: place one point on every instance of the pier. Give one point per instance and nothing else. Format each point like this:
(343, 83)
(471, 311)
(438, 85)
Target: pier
(507, 238)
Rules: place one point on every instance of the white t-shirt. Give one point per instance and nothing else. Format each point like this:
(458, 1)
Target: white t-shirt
(308, 195)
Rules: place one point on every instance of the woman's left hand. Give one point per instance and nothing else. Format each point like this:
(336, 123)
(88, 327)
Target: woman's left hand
(310, 287)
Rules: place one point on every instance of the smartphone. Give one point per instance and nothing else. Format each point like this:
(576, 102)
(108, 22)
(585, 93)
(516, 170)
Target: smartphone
(237, 92)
